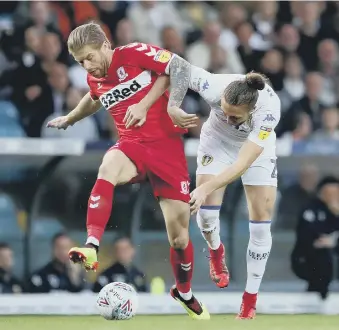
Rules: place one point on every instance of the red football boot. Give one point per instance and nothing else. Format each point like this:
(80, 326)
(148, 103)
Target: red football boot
(218, 269)
(247, 308)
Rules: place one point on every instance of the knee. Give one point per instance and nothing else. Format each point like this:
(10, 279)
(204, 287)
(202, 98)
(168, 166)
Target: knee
(261, 213)
(208, 219)
(108, 172)
(262, 209)
(179, 242)
(104, 170)
(177, 217)
(113, 167)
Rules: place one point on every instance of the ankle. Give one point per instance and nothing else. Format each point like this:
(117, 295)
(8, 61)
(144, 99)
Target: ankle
(92, 246)
(216, 251)
(186, 295)
(250, 296)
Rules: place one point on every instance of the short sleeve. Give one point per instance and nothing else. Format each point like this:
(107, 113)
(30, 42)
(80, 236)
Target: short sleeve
(264, 123)
(210, 86)
(200, 80)
(148, 57)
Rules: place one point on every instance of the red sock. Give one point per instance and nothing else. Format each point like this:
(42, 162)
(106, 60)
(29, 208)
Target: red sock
(182, 262)
(99, 210)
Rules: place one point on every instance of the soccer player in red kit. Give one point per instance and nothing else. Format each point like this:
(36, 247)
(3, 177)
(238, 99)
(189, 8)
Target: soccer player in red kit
(151, 145)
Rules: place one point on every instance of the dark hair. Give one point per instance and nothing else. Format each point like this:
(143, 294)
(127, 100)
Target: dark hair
(327, 180)
(245, 91)
(57, 236)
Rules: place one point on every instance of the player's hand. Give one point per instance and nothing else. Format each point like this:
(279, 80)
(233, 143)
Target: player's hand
(135, 115)
(33, 92)
(182, 119)
(325, 241)
(198, 198)
(59, 122)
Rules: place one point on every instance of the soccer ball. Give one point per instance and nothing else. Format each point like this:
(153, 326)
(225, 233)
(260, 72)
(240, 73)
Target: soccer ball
(117, 301)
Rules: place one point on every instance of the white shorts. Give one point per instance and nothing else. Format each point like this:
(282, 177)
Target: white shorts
(214, 156)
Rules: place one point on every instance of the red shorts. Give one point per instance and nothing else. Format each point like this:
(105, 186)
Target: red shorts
(163, 162)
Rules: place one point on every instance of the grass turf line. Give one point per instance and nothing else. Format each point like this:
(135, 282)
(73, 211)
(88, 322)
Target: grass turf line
(170, 322)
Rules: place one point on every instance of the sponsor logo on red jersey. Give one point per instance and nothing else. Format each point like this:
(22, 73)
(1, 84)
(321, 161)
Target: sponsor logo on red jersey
(126, 90)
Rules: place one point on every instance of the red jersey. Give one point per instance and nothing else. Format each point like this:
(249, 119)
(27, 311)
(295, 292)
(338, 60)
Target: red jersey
(132, 73)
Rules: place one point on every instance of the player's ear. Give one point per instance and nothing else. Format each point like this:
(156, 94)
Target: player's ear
(106, 45)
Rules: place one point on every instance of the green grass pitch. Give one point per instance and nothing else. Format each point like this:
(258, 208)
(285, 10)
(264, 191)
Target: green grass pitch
(173, 322)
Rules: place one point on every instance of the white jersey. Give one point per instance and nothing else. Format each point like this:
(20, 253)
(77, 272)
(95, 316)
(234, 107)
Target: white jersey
(220, 141)
(265, 116)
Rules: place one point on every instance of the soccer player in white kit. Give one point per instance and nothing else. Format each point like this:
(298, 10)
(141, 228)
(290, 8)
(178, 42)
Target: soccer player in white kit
(237, 140)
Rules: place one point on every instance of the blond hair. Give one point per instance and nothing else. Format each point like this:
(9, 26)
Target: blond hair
(87, 34)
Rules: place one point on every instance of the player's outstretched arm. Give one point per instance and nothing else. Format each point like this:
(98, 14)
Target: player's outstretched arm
(85, 108)
(184, 76)
(248, 153)
(180, 74)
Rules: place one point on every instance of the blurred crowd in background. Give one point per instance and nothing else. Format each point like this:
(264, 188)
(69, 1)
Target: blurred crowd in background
(295, 44)
(61, 275)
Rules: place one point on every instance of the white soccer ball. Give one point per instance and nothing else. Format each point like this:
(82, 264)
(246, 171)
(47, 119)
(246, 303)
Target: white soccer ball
(117, 301)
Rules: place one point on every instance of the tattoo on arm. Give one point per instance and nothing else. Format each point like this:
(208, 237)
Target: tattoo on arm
(180, 73)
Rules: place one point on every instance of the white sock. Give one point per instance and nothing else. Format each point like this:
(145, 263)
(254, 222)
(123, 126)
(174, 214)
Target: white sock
(209, 224)
(258, 251)
(187, 295)
(92, 240)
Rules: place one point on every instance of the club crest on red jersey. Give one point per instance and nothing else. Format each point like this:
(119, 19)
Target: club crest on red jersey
(185, 187)
(122, 75)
